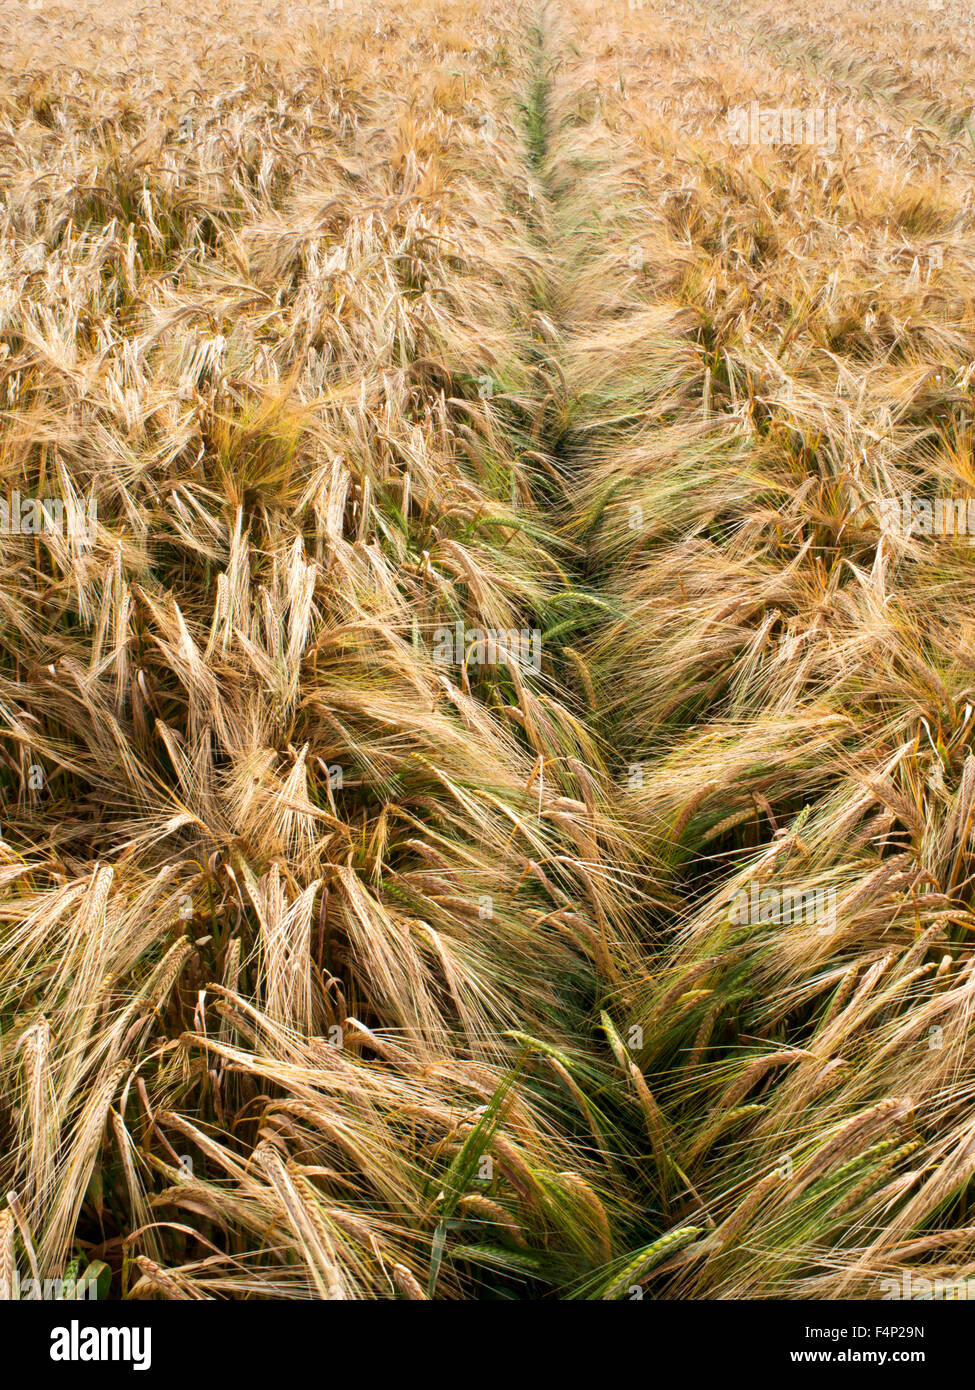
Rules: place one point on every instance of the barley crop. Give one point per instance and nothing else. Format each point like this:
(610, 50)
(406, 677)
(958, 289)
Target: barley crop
(487, 666)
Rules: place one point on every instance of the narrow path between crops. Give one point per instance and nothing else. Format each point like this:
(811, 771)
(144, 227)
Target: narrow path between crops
(582, 211)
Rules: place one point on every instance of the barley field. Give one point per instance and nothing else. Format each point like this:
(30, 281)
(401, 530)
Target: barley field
(487, 649)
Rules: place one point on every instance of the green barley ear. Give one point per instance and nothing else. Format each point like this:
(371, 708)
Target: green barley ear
(627, 1274)
(463, 1166)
